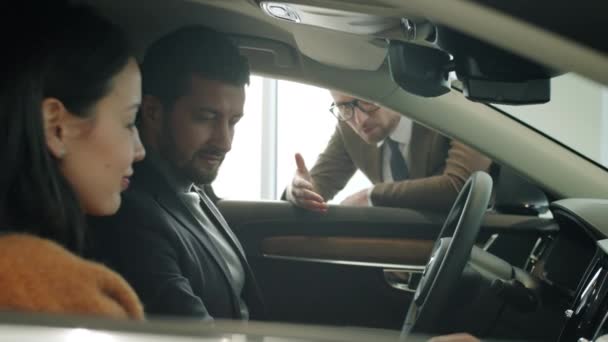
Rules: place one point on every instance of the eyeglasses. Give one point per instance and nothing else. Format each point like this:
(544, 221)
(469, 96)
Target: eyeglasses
(345, 111)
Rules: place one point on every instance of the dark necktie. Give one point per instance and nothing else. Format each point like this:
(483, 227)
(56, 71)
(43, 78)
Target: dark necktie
(399, 169)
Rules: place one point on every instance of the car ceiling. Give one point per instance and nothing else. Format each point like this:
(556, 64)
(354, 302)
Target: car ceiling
(338, 49)
(367, 52)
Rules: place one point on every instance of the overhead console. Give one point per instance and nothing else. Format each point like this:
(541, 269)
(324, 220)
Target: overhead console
(421, 54)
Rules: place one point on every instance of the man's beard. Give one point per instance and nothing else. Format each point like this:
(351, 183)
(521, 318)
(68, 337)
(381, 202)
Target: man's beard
(199, 175)
(188, 170)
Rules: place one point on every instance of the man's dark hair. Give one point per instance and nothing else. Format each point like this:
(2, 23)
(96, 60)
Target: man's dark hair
(170, 62)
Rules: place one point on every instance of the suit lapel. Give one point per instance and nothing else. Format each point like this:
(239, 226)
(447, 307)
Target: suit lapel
(173, 205)
(368, 159)
(375, 163)
(251, 291)
(221, 223)
(420, 149)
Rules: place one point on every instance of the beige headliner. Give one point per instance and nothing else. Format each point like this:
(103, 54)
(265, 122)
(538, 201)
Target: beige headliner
(556, 168)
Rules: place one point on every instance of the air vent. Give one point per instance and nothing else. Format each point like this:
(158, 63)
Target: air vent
(541, 245)
(588, 315)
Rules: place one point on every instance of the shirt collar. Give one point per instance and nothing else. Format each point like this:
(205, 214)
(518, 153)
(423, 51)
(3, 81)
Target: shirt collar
(402, 133)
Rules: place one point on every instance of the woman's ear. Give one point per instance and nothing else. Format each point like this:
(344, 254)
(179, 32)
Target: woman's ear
(54, 117)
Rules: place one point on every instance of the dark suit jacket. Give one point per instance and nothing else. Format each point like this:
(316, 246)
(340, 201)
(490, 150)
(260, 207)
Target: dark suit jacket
(159, 247)
(438, 169)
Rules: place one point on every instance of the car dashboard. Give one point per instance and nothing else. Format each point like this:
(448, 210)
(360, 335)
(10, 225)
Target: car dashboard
(569, 268)
(577, 262)
(559, 285)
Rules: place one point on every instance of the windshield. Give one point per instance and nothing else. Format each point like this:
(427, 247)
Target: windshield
(576, 116)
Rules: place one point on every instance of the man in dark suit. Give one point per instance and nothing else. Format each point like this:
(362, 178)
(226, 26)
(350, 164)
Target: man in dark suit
(168, 239)
(409, 165)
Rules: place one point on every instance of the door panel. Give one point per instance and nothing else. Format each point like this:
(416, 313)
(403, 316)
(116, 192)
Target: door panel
(351, 266)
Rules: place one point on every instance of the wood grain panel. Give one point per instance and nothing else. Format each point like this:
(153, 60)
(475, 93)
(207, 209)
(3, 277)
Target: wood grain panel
(395, 251)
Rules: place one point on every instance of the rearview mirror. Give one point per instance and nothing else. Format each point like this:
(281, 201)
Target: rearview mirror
(488, 74)
(493, 75)
(418, 69)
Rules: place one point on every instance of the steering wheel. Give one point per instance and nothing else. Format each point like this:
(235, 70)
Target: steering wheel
(450, 254)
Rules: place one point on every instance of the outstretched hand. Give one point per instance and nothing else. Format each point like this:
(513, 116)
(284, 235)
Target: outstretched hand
(301, 191)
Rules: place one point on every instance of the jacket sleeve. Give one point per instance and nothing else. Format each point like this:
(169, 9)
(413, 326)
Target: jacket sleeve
(334, 167)
(437, 192)
(38, 275)
(137, 244)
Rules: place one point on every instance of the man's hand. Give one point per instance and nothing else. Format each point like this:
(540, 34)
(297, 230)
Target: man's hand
(301, 191)
(358, 199)
(455, 338)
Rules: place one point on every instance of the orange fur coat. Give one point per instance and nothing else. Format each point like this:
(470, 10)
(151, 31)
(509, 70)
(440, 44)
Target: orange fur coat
(38, 275)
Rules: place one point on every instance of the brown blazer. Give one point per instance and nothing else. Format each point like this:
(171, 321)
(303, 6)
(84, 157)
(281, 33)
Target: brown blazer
(438, 169)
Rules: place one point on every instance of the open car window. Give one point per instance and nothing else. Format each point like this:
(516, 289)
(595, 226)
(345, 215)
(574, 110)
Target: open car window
(281, 118)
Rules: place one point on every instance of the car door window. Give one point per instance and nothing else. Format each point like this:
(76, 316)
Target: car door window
(260, 166)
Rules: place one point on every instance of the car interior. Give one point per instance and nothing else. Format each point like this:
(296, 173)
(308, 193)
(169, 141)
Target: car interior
(523, 254)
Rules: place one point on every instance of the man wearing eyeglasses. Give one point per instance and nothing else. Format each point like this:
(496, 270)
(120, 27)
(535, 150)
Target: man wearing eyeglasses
(409, 165)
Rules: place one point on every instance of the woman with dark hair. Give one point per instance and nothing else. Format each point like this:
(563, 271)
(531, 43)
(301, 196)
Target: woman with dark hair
(70, 91)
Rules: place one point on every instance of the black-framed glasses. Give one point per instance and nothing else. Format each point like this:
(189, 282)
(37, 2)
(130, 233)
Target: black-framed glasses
(345, 111)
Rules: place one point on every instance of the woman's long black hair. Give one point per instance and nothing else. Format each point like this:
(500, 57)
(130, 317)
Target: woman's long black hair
(63, 51)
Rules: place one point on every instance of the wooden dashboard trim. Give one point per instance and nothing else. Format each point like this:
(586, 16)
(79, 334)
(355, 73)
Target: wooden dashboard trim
(377, 250)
